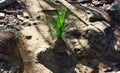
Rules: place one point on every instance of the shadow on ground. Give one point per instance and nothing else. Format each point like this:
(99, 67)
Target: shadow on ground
(62, 59)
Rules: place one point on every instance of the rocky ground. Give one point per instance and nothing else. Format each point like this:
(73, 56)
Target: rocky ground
(82, 54)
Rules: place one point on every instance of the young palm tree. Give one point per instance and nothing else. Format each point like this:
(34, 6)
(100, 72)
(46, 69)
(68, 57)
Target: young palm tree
(60, 45)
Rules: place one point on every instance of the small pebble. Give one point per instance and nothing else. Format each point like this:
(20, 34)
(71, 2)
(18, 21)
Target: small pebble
(26, 15)
(21, 18)
(2, 15)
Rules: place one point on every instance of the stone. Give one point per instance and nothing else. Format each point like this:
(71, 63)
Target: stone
(2, 15)
(4, 3)
(26, 15)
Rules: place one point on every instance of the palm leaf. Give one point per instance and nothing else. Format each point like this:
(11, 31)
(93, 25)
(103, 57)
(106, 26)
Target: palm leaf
(61, 16)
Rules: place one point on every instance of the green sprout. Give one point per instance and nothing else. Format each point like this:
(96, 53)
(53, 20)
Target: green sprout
(61, 16)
